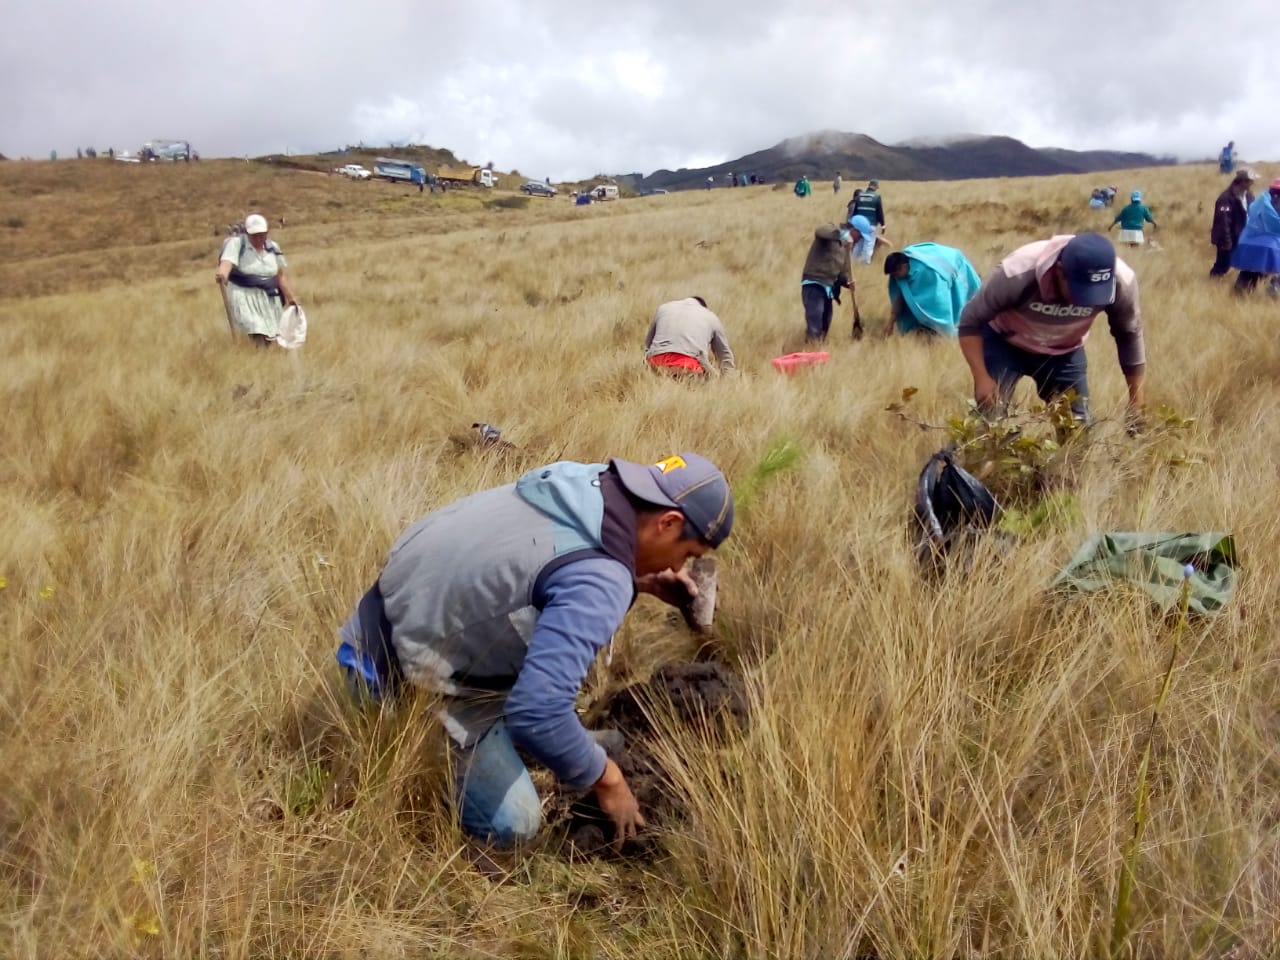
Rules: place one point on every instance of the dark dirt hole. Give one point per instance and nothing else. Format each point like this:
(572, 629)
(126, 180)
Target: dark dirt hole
(709, 698)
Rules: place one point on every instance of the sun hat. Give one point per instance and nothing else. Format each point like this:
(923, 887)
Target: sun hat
(1245, 175)
(685, 482)
(255, 223)
(1136, 196)
(1088, 262)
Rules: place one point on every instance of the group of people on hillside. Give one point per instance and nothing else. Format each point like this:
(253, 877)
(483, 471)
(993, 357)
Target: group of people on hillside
(1029, 318)
(735, 180)
(835, 247)
(1132, 217)
(506, 629)
(1246, 232)
(1032, 314)
(1103, 197)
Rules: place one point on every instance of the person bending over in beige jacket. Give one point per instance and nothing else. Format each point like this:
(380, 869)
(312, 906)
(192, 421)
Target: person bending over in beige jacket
(683, 336)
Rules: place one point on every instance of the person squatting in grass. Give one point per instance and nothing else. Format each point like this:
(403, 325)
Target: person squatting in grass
(1257, 253)
(929, 285)
(682, 337)
(1032, 315)
(1131, 218)
(1230, 214)
(502, 600)
(252, 276)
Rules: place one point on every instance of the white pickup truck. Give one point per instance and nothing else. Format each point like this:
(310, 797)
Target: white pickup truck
(354, 171)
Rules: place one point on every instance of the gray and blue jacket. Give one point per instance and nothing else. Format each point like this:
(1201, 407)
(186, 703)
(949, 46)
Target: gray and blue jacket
(501, 601)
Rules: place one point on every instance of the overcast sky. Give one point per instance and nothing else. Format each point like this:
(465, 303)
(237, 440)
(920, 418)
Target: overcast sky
(566, 88)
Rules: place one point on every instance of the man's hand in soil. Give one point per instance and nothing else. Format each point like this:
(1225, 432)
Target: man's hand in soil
(618, 803)
(986, 393)
(675, 587)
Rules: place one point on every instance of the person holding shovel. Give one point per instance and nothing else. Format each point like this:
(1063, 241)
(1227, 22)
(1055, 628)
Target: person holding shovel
(827, 271)
(502, 600)
(255, 289)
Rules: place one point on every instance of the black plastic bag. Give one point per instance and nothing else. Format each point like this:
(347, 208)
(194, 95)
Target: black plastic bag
(953, 507)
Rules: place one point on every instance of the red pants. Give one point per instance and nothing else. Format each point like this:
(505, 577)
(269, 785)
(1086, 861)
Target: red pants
(675, 363)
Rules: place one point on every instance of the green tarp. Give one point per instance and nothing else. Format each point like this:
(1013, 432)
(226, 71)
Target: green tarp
(1155, 562)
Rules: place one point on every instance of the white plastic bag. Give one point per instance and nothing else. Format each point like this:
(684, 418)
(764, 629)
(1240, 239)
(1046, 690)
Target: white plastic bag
(293, 328)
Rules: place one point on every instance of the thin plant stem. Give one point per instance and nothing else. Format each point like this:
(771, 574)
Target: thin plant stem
(1122, 918)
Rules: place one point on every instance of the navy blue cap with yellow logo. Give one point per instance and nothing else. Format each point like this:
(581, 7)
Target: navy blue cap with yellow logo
(688, 483)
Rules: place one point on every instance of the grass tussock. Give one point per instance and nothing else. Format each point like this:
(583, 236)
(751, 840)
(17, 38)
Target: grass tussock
(936, 770)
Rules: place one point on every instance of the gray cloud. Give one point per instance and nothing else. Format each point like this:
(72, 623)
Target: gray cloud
(566, 89)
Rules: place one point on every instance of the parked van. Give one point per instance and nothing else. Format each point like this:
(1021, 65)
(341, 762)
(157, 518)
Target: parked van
(604, 191)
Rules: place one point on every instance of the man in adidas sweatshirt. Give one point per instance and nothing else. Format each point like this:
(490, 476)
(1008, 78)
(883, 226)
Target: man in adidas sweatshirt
(1033, 313)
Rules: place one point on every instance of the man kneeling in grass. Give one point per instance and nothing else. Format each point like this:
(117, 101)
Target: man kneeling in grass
(501, 601)
(682, 338)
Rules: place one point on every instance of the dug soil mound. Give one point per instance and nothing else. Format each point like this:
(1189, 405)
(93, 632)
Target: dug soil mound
(709, 699)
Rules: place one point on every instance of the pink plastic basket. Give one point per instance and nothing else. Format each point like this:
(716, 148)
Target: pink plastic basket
(794, 362)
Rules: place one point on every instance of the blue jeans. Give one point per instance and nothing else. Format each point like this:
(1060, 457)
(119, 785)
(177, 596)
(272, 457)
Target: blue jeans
(495, 797)
(1053, 375)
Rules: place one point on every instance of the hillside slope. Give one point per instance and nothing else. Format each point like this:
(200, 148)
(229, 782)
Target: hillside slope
(821, 155)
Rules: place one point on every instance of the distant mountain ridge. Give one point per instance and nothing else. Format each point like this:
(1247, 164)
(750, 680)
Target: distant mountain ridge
(858, 157)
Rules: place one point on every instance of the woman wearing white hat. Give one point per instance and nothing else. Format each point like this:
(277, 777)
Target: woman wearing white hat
(254, 285)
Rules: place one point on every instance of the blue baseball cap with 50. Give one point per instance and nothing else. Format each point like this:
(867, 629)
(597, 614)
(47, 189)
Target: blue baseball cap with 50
(1088, 263)
(688, 483)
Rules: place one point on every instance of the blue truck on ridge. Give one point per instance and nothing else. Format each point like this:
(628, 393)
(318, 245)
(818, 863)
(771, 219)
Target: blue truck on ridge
(401, 170)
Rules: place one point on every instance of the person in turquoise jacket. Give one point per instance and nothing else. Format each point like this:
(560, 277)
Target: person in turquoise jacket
(1131, 219)
(929, 285)
(802, 187)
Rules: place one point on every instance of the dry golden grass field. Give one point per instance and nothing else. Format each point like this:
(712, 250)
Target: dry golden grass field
(943, 770)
